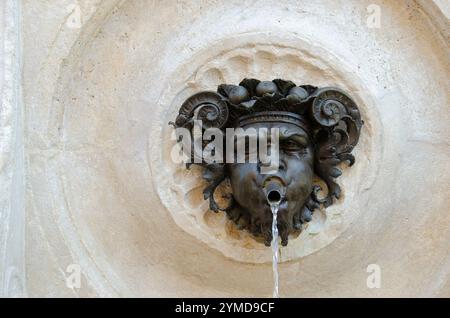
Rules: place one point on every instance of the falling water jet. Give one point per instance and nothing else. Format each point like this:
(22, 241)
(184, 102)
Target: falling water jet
(274, 196)
(275, 255)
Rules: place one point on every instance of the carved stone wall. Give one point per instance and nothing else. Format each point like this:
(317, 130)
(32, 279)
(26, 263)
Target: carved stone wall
(12, 164)
(85, 158)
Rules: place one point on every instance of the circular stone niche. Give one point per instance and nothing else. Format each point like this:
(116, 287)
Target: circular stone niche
(181, 190)
(140, 219)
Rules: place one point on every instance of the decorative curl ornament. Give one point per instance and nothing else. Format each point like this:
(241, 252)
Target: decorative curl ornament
(209, 107)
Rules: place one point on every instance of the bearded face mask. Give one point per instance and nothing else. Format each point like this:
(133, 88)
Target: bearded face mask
(304, 131)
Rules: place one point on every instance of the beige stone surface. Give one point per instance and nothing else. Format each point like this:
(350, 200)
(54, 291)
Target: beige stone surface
(101, 79)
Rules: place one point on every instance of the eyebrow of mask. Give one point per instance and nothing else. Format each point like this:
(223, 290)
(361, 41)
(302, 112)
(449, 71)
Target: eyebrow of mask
(301, 139)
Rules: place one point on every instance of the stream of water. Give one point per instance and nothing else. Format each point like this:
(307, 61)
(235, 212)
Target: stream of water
(275, 255)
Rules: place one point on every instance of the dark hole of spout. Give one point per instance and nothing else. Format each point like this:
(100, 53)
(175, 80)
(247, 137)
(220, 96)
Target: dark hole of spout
(274, 196)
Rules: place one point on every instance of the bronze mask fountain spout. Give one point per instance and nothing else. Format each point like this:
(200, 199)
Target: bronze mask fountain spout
(317, 129)
(274, 190)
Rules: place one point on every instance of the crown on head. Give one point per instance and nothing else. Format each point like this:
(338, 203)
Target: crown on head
(279, 100)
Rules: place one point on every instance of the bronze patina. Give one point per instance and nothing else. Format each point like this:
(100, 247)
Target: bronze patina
(318, 130)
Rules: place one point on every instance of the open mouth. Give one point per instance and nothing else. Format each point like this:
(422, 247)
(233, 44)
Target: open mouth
(274, 197)
(274, 190)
